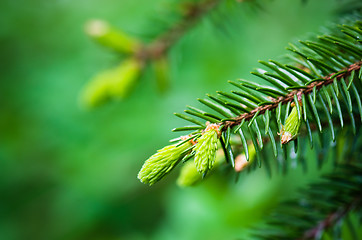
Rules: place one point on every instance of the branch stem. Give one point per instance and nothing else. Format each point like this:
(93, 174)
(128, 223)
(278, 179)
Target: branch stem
(161, 45)
(290, 97)
(331, 219)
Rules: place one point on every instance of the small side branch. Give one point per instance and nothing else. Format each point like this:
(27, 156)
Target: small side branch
(331, 219)
(160, 46)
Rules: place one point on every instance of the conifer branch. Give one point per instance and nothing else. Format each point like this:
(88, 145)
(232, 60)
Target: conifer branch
(327, 80)
(332, 219)
(320, 206)
(161, 45)
(335, 58)
(123, 77)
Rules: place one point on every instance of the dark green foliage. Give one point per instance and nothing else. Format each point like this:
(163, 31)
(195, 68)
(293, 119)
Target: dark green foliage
(319, 208)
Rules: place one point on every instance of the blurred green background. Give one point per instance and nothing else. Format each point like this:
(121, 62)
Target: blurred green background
(67, 173)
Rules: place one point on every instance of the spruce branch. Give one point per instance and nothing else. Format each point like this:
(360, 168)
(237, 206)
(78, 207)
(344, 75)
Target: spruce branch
(99, 89)
(304, 90)
(332, 219)
(319, 207)
(193, 12)
(323, 75)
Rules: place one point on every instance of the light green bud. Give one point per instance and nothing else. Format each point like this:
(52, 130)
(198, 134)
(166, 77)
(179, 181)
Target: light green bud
(110, 37)
(206, 148)
(159, 164)
(189, 176)
(161, 69)
(97, 90)
(122, 84)
(291, 128)
(114, 83)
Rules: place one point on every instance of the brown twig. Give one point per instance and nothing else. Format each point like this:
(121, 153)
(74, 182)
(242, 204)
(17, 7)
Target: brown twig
(290, 96)
(193, 13)
(331, 219)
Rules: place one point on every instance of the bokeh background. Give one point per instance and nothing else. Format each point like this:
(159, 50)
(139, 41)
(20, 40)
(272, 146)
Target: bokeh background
(69, 173)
